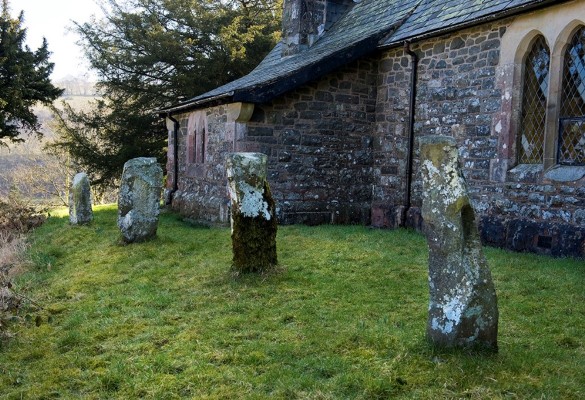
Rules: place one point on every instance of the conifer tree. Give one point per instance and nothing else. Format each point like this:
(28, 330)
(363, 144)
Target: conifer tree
(24, 78)
(149, 54)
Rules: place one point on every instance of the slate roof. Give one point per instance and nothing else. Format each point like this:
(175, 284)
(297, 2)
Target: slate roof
(367, 26)
(435, 16)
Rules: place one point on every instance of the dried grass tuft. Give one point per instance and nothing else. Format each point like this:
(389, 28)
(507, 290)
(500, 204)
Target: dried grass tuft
(12, 254)
(16, 219)
(12, 262)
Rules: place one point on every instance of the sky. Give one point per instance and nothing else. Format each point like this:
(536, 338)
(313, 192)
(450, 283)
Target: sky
(52, 19)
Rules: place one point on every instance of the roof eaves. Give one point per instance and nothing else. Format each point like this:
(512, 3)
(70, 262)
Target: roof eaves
(357, 49)
(190, 105)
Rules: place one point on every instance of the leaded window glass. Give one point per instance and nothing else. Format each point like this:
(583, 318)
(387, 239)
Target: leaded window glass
(571, 149)
(534, 98)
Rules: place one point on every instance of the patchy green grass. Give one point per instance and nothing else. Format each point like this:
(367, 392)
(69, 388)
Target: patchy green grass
(343, 318)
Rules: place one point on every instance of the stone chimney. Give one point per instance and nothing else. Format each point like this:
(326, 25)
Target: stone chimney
(303, 21)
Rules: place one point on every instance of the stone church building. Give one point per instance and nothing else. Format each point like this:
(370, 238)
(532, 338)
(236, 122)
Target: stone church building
(340, 103)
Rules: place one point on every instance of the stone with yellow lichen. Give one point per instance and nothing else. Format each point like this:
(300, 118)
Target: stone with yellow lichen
(463, 309)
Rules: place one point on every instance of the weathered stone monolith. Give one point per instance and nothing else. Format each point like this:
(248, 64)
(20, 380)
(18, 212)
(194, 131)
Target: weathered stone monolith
(253, 216)
(80, 211)
(463, 309)
(139, 199)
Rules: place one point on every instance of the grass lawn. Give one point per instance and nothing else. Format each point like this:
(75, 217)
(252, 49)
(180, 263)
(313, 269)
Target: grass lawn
(343, 318)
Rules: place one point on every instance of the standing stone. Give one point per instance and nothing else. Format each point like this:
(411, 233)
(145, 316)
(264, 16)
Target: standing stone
(139, 199)
(463, 309)
(253, 217)
(80, 211)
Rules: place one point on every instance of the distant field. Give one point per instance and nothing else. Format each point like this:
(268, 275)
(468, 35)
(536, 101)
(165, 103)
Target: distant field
(19, 154)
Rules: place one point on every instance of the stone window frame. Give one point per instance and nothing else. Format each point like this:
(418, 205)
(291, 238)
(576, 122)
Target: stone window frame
(557, 27)
(556, 86)
(196, 140)
(191, 148)
(572, 92)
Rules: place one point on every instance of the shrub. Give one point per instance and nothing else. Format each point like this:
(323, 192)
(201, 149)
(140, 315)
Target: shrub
(12, 250)
(18, 217)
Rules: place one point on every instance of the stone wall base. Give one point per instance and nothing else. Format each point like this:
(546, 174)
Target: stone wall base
(557, 240)
(521, 235)
(338, 214)
(213, 210)
(384, 216)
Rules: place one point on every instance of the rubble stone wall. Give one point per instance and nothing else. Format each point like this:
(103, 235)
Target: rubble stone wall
(464, 90)
(319, 142)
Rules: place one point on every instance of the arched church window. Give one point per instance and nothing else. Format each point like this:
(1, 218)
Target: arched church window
(571, 147)
(534, 98)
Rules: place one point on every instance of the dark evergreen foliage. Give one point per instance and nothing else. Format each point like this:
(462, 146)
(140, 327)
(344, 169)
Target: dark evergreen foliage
(152, 53)
(24, 78)
(254, 239)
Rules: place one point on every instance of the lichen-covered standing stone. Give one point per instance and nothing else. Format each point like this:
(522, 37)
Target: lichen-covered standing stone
(80, 211)
(253, 217)
(139, 199)
(463, 309)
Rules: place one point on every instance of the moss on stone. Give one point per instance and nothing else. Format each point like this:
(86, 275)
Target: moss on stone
(80, 211)
(254, 239)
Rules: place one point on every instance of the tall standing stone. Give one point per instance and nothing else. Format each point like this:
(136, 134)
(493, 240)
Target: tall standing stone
(463, 309)
(253, 216)
(139, 199)
(80, 212)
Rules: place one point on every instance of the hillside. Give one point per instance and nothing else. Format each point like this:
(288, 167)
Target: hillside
(25, 156)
